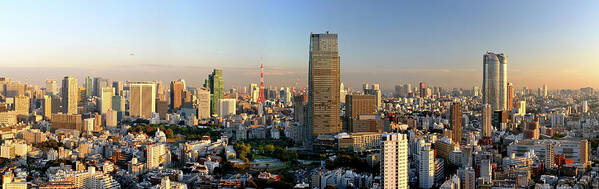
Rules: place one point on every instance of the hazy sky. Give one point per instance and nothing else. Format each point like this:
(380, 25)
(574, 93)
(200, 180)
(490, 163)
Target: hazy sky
(389, 42)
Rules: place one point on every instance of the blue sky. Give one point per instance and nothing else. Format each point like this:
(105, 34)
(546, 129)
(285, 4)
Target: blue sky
(388, 42)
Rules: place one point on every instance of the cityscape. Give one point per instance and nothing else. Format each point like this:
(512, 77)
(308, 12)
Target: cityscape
(261, 123)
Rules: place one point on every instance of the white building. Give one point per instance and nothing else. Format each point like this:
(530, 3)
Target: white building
(227, 107)
(426, 168)
(155, 154)
(394, 161)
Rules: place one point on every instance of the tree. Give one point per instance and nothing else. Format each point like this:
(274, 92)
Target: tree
(269, 149)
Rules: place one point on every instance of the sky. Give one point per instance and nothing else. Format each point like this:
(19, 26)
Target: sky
(388, 42)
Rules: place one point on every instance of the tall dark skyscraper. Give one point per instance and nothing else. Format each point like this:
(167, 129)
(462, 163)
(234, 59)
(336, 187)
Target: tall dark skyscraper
(217, 90)
(495, 80)
(456, 122)
(323, 85)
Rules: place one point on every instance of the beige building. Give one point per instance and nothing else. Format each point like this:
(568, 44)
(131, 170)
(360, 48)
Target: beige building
(142, 99)
(70, 95)
(22, 104)
(66, 121)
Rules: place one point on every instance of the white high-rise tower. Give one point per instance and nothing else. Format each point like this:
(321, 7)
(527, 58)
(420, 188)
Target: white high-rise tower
(394, 161)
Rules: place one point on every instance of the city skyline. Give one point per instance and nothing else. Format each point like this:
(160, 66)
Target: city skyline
(178, 45)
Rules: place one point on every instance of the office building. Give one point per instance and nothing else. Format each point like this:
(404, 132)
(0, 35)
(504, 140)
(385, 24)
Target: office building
(142, 99)
(423, 93)
(22, 105)
(203, 95)
(89, 86)
(155, 155)
(105, 100)
(394, 161)
(374, 90)
(426, 168)
(495, 80)
(299, 107)
(217, 90)
(66, 121)
(118, 87)
(456, 123)
(356, 105)
(323, 85)
(47, 107)
(510, 96)
(8, 118)
(227, 107)
(487, 117)
(70, 94)
(51, 87)
(254, 92)
(176, 95)
(99, 84)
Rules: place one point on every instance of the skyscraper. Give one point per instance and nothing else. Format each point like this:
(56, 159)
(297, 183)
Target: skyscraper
(426, 167)
(356, 105)
(51, 88)
(544, 91)
(407, 89)
(70, 95)
(203, 103)
(456, 123)
(99, 84)
(176, 95)
(254, 92)
(89, 86)
(217, 89)
(487, 114)
(495, 80)
(394, 161)
(376, 91)
(142, 99)
(105, 100)
(423, 90)
(118, 87)
(510, 96)
(323, 84)
(47, 107)
(227, 107)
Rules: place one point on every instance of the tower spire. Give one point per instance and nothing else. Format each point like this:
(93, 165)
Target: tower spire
(261, 96)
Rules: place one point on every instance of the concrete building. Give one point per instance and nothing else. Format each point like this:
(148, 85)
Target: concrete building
(203, 102)
(495, 80)
(176, 93)
(66, 121)
(486, 124)
(70, 95)
(227, 107)
(142, 99)
(51, 87)
(106, 95)
(426, 168)
(323, 84)
(456, 123)
(356, 105)
(394, 161)
(217, 90)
